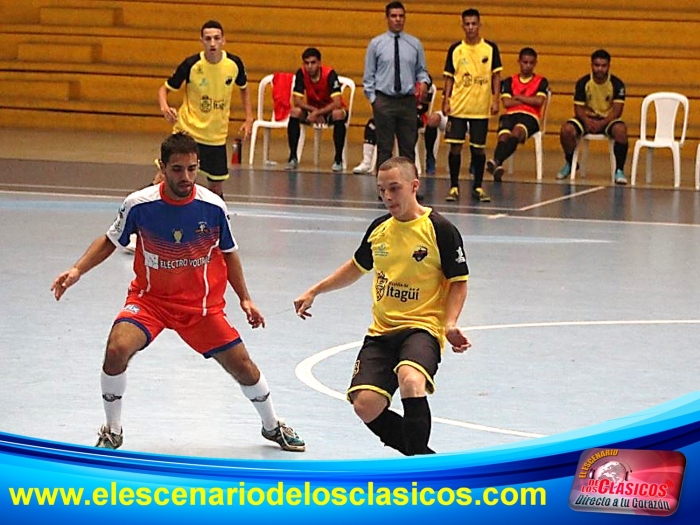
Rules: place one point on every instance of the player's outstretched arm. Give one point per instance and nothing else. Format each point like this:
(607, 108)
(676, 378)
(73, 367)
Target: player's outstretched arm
(344, 276)
(456, 296)
(237, 281)
(98, 251)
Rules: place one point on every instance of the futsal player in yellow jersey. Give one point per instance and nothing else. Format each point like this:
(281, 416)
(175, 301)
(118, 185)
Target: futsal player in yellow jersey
(599, 99)
(419, 289)
(209, 77)
(472, 85)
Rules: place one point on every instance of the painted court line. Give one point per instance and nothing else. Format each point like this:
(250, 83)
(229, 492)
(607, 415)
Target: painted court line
(562, 198)
(304, 370)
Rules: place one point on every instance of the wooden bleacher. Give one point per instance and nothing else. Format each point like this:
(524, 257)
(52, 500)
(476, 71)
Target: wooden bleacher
(97, 64)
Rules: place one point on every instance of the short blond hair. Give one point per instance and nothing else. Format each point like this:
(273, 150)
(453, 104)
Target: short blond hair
(405, 165)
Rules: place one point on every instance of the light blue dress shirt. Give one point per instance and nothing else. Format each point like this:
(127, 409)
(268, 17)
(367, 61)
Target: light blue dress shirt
(379, 65)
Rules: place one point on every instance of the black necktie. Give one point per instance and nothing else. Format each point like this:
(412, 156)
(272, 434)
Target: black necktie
(397, 67)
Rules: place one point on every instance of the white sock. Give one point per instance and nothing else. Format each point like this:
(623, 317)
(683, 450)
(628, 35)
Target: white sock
(367, 153)
(259, 395)
(113, 388)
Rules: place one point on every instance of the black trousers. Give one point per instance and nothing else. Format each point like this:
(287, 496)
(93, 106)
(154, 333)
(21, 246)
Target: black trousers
(395, 118)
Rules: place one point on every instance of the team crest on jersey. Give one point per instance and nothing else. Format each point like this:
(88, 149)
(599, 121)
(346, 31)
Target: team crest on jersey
(380, 286)
(202, 228)
(229, 80)
(484, 60)
(177, 235)
(205, 104)
(420, 253)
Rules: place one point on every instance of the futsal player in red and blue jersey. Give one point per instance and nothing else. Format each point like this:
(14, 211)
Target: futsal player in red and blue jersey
(185, 256)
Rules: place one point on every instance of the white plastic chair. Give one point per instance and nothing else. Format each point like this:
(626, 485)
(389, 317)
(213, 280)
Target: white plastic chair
(582, 150)
(537, 141)
(345, 83)
(697, 168)
(666, 106)
(267, 124)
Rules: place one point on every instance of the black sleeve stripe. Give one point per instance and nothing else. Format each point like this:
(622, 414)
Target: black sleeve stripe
(453, 259)
(363, 254)
(182, 73)
(242, 77)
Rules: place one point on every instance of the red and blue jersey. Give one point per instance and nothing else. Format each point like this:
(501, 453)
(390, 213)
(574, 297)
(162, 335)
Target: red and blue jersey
(179, 255)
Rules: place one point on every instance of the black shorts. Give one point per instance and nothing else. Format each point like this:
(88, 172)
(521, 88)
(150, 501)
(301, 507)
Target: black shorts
(523, 120)
(327, 118)
(457, 129)
(380, 356)
(213, 162)
(580, 130)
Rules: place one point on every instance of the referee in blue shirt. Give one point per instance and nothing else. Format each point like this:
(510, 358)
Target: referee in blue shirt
(394, 65)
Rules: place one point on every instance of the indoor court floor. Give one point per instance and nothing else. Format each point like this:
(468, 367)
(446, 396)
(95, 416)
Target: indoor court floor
(582, 308)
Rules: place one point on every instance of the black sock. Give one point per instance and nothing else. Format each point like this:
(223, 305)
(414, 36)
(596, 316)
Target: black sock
(620, 151)
(293, 134)
(430, 137)
(569, 158)
(388, 426)
(454, 161)
(416, 425)
(500, 154)
(507, 148)
(339, 140)
(478, 161)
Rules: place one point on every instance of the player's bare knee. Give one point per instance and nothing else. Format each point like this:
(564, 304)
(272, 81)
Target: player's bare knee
(368, 406)
(116, 358)
(411, 382)
(619, 132)
(237, 362)
(520, 135)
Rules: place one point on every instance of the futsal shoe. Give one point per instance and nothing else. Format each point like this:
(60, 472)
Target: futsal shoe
(285, 437)
(620, 177)
(564, 172)
(453, 195)
(109, 439)
(480, 195)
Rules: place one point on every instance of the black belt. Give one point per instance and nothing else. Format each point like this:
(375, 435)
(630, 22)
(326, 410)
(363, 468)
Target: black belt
(395, 96)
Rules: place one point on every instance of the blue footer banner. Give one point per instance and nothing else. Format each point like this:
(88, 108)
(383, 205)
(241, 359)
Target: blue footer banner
(640, 467)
